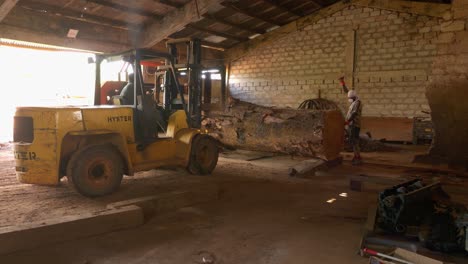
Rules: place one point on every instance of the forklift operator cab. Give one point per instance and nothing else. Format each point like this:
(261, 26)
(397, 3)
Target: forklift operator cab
(94, 146)
(127, 94)
(149, 118)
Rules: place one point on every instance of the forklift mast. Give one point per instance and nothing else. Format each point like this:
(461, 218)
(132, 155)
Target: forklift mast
(167, 78)
(193, 68)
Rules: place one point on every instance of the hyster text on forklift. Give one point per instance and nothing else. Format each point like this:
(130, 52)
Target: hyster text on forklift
(94, 146)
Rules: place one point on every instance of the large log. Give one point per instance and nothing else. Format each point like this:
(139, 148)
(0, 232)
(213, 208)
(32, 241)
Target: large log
(248, 126)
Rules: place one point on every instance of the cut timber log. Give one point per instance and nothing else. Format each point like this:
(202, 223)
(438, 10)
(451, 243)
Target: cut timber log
(308, 133)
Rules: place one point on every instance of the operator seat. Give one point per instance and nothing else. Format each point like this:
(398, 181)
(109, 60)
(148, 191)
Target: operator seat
(116, 100)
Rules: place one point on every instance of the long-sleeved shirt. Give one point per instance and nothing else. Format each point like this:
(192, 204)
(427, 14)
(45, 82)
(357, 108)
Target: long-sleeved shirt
(354, 113)
(345, 88)
(355, 110)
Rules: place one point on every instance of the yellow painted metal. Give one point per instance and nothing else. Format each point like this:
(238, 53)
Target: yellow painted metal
(113, 118)
(60, 131)
(177, 121)
(174, 150)
(38, 162)
(184, 138)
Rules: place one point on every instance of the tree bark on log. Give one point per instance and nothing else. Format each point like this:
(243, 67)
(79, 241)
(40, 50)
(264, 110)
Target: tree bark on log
(308, 133)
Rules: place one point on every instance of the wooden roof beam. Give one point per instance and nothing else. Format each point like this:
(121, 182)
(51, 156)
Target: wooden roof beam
(234, 25)
(27, 25)
(245, 48)
(282, 8)
(168, 3)
(20, 33)
(217, 46)
(217, 33)
(6, 7)
(419, 8)
(177, 19)
(76, 15)
(301, 7)
(126, 9)
(320, 3)
(252, 13)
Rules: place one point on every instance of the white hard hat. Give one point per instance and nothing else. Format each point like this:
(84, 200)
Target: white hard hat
(352, 93)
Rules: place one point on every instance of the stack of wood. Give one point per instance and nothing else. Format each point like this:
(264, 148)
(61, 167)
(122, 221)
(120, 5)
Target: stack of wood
(248, 126)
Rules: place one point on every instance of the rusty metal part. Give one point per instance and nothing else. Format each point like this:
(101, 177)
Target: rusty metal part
(95, 171)
(318, 104)
(204, 155)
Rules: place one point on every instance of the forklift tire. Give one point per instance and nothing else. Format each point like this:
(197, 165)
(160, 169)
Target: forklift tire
(95, 171)
(203, 155)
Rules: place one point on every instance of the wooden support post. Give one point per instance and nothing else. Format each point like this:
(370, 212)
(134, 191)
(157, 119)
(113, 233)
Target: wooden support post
(351, 57)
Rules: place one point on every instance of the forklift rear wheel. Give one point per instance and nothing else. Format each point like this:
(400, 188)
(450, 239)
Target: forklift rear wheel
(203, 156)
(95, 171)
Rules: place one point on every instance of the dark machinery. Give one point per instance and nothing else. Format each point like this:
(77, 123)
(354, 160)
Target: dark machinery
(196, 90)
(442, 224)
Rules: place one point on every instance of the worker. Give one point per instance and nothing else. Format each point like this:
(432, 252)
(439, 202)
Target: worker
(353, 121)
(128, 93)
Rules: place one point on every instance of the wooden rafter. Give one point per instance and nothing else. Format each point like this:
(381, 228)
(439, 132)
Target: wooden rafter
(420, 8)
(177, 19)
(252, 13)
(217, 33)
(72, 14)
(234, 25)
(6, 7)
(27, 25)
(20, 33)
(303, 7)
(244, 48)
(217, 46)
(320, 3)
(169, 3)
(127, 9)
(282, 8)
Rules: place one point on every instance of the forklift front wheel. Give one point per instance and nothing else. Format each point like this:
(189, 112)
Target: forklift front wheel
(95, 171)
(203, 155)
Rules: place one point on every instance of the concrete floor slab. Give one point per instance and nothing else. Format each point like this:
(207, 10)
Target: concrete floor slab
(32, 235)
(262, 216)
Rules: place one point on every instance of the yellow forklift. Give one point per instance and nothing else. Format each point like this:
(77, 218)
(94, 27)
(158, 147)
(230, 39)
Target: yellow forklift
(94, 146)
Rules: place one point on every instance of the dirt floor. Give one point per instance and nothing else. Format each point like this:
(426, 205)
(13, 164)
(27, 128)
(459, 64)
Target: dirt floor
(262, 215)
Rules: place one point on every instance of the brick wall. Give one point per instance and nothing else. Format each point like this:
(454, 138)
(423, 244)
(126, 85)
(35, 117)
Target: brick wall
(392, 53)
